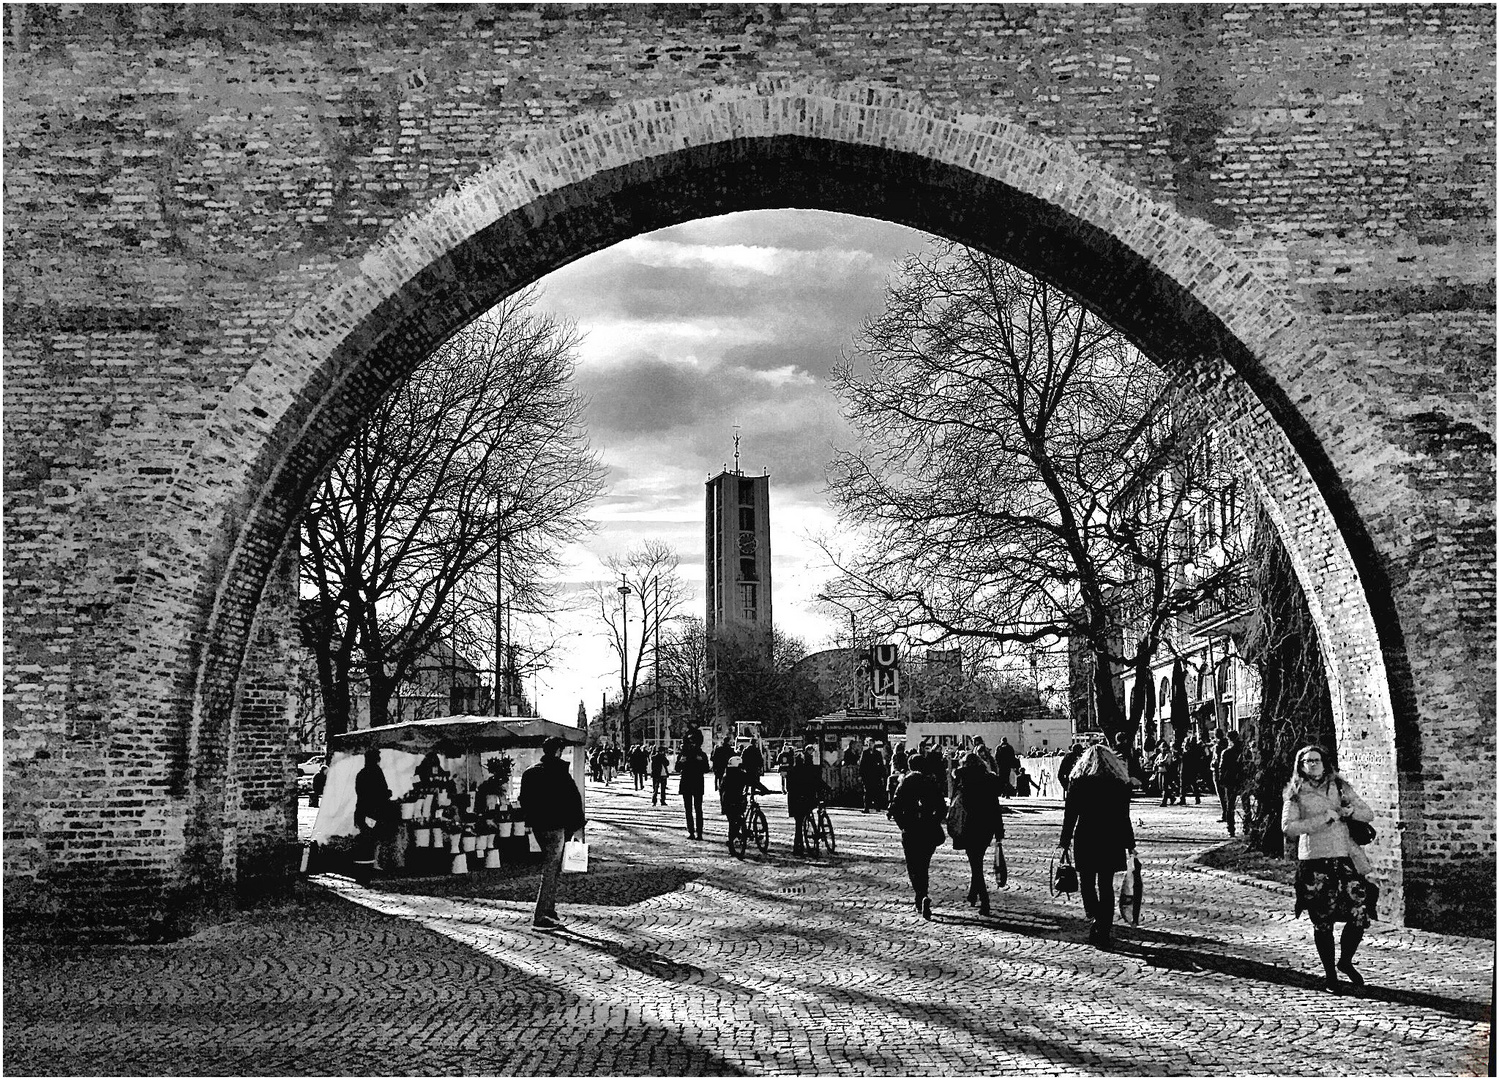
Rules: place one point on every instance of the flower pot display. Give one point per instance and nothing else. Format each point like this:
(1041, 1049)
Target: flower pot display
(470, 842)
(492, 859)
(460, 864)
(423, 837)
(455, 843)
(505, 829)
(408, 811)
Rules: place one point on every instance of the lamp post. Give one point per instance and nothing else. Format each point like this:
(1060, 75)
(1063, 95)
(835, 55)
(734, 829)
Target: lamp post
(624, 656)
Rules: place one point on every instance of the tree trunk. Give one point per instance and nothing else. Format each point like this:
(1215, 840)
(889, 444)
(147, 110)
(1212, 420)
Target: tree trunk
(1110, 715)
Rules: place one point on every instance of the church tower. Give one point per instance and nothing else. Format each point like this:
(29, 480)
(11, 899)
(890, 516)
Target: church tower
(737, 557)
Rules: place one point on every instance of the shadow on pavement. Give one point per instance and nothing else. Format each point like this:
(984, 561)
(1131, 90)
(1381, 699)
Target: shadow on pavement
(1196, 955)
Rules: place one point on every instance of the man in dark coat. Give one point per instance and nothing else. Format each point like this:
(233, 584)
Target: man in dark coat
(805, 788)
(1006, 761)
(372, 808)
(1068, 762)
(1097, 830)
(721, 754)
(919, 809)
(693, 765)
(754, 759)
(872, 776)
(553, 810)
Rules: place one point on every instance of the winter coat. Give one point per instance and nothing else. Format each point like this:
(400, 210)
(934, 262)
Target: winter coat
(919, 808)
(549, 798)
(979, 789)
(804, 786)
(737, 781)
(692, 763)
(1095, 822)
(660, 765)
(1312, 815)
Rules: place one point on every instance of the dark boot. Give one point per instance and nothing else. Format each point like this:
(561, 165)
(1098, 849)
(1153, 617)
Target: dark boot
(1352, 935)
(1323, 939)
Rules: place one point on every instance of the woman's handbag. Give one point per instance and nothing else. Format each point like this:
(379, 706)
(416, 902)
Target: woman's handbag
(1001, 868)
(1360, 832)
(1063, 880)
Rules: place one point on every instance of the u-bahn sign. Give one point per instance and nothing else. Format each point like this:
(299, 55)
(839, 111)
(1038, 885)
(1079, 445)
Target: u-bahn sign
(884, 671)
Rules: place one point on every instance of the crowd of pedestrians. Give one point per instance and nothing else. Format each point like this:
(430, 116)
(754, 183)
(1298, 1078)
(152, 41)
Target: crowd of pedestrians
(934, 794)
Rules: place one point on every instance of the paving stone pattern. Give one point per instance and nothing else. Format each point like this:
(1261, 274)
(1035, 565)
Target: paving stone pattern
(678, 959)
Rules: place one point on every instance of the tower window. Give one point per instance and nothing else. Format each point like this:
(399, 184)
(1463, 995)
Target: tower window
(747, 518)
(746, 491)
(747, 571)
(748, 609)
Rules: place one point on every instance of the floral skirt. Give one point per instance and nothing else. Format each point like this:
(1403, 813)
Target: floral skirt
(1331, 891)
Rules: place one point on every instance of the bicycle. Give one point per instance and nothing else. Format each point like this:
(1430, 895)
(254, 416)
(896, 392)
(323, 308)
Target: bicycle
(751, 823)
(818, 831)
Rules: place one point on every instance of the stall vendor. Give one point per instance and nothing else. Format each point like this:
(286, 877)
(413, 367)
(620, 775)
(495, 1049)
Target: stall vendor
(491, 793)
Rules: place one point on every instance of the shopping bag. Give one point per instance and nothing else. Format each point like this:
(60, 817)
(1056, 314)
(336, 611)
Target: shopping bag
(1001, 868)
(575, 857)
(1130, 891)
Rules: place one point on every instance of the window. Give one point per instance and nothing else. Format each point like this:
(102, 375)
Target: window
(748, 609)
(746, 492)
(747, 571)
(747, 519)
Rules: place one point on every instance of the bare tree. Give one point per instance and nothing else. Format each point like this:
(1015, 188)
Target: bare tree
(770, 694)
(643, 584)
(1006, 485)
(479, 453)
(684, 673)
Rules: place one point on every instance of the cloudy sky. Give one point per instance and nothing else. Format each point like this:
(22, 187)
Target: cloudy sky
(687, 332)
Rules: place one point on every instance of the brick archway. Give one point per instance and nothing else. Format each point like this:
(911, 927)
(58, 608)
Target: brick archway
(1165, 280)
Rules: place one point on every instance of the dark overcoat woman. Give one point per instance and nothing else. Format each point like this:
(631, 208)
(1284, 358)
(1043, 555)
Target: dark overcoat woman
(1095, 822)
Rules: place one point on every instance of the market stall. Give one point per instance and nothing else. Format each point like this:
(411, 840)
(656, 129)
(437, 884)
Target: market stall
(453, 781)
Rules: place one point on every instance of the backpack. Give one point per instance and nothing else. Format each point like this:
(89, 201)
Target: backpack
(957, 819)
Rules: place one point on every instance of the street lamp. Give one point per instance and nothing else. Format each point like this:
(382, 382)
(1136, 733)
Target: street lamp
(624, 653)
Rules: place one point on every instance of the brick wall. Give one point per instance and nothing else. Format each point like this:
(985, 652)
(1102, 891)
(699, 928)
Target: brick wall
(228, 229)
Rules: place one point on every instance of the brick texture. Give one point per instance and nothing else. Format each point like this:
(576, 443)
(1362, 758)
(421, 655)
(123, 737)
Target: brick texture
(229, 229)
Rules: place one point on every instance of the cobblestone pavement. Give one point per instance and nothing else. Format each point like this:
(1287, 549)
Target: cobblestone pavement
(678, 959)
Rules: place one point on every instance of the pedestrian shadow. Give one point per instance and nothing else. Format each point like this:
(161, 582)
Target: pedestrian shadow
(1168, 951)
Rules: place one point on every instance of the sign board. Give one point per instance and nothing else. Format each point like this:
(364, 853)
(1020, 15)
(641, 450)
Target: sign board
(886, 701)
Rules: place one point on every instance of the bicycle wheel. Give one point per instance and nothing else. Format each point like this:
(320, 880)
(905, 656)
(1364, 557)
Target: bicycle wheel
(737, 842)
(761, 830)
(811, 837)
(825, 830)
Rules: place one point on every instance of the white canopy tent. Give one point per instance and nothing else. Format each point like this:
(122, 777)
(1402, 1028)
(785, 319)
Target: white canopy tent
(463, 741)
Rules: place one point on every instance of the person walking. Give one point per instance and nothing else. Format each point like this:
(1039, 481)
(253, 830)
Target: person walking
(919, 809)
(721, 754)
(979, 790)
(372, 811)
(753, 759)
(553, 810)
(1097, 831)
(693, 765)
(1330, 886)
(1068, 763)
(805, 788)
(872, 776)
(733, 794)
(1166, 771)
(1006, 762)
(319, 783)
(660, 770)
(1227, 774)
(1194, 768)
(640, 763)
